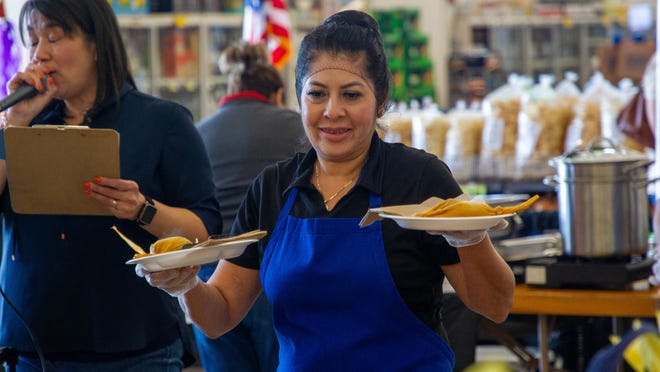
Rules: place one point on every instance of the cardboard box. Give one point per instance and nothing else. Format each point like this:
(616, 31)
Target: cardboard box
(627, 59)
(607, 57)
(179, 48)
(632, 58)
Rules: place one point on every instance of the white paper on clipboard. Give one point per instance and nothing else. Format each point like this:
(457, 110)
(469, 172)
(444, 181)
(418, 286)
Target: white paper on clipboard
(47, 166)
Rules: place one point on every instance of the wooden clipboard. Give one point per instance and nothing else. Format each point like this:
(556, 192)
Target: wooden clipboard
(47, 166)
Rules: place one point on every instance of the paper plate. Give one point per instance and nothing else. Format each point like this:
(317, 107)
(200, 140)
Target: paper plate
(447, 223)
(192, 256)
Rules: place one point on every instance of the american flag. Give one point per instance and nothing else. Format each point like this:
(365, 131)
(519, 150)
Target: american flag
(267, 21)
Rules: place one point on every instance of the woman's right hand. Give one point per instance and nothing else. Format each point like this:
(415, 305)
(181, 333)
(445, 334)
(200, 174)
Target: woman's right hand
(176, 282)
(654, 279)
(22, 113)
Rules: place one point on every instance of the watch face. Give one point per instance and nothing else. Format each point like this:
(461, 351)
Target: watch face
(147, 214)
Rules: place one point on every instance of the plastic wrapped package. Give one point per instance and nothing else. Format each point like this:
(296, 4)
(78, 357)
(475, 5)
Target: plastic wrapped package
(381, 129)
(611, 105)
(436, 135)
(542, 125)
(429, 131)
(399, 129)
(464, 140)
(399, 125)
(465, 132)
(586, 122)
(568, 93)
(567, 88)
(501, 108)
(568, 97)
(542, 122)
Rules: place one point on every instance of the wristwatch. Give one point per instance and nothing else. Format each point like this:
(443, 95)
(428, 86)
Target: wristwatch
(147, 212)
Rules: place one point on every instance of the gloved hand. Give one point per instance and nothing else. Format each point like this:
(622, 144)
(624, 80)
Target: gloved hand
(176, 282)
(460, 239)
(655, 278)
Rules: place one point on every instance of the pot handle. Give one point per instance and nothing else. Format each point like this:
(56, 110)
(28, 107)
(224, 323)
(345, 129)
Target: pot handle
(551, 181)
(600, 143)
(644, 183)
(637, 164)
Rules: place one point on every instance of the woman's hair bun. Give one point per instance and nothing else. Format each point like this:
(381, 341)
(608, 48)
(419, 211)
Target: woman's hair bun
(242, 56)
(353, 18)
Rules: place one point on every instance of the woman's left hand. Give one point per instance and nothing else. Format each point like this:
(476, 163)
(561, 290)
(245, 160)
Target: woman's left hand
(176, 282)
(122, 197)
(459, 239)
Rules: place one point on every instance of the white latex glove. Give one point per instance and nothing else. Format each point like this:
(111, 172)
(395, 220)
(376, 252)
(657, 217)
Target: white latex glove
(655, 278)
(460, 239)
(176, 282)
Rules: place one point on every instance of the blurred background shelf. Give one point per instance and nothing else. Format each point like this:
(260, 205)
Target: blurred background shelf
(174, 55)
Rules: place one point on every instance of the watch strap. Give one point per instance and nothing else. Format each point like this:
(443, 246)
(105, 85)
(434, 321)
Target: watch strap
(147, 213)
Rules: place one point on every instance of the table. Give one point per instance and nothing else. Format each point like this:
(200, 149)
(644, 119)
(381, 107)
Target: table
(543, 302)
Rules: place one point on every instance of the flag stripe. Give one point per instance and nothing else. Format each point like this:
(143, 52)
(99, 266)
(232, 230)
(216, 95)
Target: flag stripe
(268, 20)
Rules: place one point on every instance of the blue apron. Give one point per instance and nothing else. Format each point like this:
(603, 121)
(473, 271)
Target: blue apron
(335, 304)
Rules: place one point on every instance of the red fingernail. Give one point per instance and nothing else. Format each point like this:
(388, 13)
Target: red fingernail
(87, 185)
(97, 179)
(87, 192)
(41, 75)
(50, 80)
(47, 70)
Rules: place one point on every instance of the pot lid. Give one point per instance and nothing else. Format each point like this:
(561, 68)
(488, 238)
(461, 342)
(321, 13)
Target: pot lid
(600, 150)
(501, 199)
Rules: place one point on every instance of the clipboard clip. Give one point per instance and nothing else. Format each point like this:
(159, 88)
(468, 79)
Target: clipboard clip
(60, 127)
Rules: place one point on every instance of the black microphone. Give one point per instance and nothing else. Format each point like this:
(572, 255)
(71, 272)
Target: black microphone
(25, 91)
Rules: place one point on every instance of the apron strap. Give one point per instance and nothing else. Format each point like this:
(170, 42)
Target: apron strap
(374, 200)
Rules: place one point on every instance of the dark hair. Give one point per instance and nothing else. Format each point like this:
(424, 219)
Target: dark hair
(96, 20)
(249, 68)
(351, 32)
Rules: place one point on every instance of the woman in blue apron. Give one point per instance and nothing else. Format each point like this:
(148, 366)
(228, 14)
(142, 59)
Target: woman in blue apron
(347, 297)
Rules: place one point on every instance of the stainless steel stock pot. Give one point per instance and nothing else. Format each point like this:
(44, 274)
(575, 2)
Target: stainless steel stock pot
(602, 200)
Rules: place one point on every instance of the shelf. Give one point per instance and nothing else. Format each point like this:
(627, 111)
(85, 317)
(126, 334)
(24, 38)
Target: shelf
(548, 64)
(533, 45)
(523, 20)
(176, 84)
(217, 80)
(174, 55)
(160, 20)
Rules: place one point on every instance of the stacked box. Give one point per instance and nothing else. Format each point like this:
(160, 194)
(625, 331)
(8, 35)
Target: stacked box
(407, 52)
(179, 49)
(130, 6)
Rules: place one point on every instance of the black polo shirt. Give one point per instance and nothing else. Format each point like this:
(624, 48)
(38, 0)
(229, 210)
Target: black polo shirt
(400, 175)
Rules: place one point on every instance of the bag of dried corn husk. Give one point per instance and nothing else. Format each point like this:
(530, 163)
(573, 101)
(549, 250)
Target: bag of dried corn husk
(586, 123)
(568, 93)
(498, 147)
(429, 131)
(542, 124)
(610, 107)
(398, 124)
(464, 140)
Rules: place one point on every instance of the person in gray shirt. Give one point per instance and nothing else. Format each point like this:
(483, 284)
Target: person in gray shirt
(249, 131)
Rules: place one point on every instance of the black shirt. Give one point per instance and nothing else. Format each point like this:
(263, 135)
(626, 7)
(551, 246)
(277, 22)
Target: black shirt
(400, 175)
